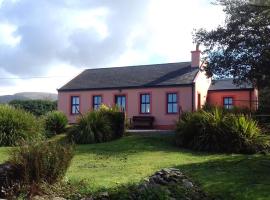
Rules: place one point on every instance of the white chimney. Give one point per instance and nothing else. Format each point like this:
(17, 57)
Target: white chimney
(196, 57)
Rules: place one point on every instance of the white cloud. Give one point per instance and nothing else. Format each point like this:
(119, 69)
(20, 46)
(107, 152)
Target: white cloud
(52, 37)
(7, 35)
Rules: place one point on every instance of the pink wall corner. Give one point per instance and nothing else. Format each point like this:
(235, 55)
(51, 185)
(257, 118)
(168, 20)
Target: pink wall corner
(158, 102)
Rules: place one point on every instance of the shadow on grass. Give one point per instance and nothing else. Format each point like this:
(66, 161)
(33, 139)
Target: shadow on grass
(235, 177)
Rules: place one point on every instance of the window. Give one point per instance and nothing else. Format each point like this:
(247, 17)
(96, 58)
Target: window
(120, 100)
(172, 105)
(75, 105)
(228, 102)
(145, 103)
(97, 100)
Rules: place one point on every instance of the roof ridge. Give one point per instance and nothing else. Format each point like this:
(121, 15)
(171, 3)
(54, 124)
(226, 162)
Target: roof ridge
(144, 65)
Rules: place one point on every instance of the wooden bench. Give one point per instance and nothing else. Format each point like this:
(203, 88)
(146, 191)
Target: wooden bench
(143, 122)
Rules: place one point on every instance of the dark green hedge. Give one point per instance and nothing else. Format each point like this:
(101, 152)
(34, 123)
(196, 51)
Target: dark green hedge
(17, 125)
(36, 107)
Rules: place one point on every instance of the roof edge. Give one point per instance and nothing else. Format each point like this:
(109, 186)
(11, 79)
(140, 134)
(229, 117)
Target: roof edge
(131, 87)
(237, 89)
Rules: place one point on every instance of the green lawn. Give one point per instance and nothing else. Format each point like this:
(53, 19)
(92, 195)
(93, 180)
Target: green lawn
(133, 158)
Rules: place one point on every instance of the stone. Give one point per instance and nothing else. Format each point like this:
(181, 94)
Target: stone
(187, 183)
(58, 198)
(88, 198)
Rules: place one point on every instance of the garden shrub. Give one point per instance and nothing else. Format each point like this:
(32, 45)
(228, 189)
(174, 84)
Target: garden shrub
(36, 107)
(42, 161)
(16, 125)
(55, 122)
(102, 125)
(218, 131)
(116, 118)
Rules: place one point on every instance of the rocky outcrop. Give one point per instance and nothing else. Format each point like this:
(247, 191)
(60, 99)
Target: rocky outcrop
(170, 183)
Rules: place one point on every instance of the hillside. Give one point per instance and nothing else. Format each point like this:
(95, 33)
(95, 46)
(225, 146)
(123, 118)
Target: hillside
(28, 95)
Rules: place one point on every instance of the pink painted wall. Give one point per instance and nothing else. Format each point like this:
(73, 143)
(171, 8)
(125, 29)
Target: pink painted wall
(202, 84)
(158, 102)
(241, 98)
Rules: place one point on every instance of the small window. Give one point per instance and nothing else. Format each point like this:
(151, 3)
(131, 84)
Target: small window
(145, 103)
(97, 100)
(75, 105)
(228, 102)
(172, 105)
(120, 101)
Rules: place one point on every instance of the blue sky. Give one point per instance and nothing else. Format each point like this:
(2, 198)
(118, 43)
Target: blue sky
(59, 38)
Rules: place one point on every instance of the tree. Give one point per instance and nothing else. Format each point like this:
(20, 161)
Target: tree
(241, 47)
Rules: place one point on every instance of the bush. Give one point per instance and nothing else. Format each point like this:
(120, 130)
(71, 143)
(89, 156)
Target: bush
(117, 120)
(16, 125)
(217, 131)
(36, 107)
(97, 126)
(55, 122)
(42, 161)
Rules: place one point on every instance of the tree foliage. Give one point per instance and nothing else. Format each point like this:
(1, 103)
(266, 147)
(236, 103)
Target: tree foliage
(241, 47)
(36, 107)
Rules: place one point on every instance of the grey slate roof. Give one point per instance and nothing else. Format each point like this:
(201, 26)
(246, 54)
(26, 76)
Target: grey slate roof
(156, 75)
(227, 84)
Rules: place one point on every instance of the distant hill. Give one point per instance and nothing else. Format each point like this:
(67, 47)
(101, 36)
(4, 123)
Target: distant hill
(28, 96)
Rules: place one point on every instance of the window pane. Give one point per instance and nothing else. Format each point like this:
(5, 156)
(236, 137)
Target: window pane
(143, 108)
(169, 108)
(174, 98)
(77, 109)
(147, 98)
(119, 101)
(73, 109)
(169, 98)
(230, 100)
(77, 100)
(143, 98)
(175, 108)
(73, 100)
(225, 101)
(124, 102)
(147, 108)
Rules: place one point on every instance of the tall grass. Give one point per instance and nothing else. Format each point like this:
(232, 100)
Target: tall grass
(55, 122)
(100, 125)
(217, 131)
(42, 161)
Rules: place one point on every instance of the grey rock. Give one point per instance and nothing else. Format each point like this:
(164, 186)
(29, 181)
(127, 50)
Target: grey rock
(88, 198)
(187, 183)
(58, 198)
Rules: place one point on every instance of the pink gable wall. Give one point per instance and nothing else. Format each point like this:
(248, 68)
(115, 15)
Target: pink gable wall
(202, 84)
(158, 102)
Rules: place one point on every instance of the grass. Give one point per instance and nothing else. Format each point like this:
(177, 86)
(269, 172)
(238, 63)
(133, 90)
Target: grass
(133, 158)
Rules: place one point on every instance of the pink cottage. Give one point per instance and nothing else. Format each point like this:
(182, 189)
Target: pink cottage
(160, 91)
